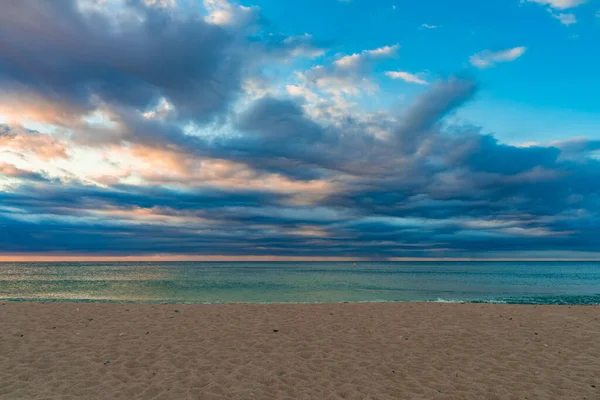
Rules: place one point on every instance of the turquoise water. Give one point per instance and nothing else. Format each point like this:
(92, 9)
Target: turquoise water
(211, 282)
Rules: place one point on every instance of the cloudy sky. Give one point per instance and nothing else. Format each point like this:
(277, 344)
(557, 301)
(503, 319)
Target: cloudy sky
(303, 128)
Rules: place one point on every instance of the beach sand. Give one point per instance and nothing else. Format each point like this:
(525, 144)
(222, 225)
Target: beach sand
(298, 351)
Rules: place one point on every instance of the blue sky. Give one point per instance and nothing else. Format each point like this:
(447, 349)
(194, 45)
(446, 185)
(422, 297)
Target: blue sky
(263, 128)
(551, 90)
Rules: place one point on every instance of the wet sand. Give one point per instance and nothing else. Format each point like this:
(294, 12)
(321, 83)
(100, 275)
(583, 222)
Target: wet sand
(317, 351)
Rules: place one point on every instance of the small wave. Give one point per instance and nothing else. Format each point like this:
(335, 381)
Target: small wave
(440, 300)
(534, 300)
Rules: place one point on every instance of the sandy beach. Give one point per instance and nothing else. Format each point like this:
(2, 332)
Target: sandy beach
(299, 351)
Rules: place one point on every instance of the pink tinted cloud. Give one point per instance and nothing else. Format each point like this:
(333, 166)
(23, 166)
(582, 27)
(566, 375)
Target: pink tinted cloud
(43, 146)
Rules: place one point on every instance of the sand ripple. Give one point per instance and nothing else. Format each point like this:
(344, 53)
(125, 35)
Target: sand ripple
(325, 351)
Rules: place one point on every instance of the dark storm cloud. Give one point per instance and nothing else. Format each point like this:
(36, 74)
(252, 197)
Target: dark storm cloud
(429, 109)
(77, 199)
(279, 138)
(279, 131)
(57, 51)
(463, 192)
(93, 220)
(458, 193)
(70, 56)
(490, 156)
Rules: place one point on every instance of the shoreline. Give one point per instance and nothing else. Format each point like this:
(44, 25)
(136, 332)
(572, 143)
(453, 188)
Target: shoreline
(386, 350)
(514, 302)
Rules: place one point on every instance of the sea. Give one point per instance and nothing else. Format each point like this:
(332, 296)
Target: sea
(303, 282)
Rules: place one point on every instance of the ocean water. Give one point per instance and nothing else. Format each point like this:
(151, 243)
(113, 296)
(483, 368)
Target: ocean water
(305, 282)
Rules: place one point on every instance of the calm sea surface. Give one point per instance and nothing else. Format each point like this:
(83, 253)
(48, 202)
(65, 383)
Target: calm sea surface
(208, 282)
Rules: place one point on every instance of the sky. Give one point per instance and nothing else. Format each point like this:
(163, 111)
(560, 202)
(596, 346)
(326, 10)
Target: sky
(281, 130)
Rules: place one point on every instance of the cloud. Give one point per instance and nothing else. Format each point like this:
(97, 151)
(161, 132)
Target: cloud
(275, 48)
(443, 98)
(406, 77)
(161, 3)
(165, 132)
(26, 142)
(9, 170)
(566, 19)
(303, 45)
(62, 53)
(428, 26)
(74, 59)
(224, 13)
(560, 4)
(348, 74)
(488, 58)
(423, 188)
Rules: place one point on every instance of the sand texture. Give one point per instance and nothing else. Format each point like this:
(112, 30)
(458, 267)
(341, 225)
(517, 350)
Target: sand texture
(326, 351)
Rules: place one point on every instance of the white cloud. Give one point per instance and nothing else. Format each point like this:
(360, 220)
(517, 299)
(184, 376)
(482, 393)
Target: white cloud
(302, 45)
(553, 5)
(161, 111)
(406, 77)
(224, 13)
(256, 87)
(302, 91)
(560, 4)
(566, 19)
(488, 58)
(161, 3)
(349, 74)
(356, 60)
(427, 26)
(528, 144)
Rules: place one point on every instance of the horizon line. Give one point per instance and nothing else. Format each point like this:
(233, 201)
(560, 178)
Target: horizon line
(221, 258)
